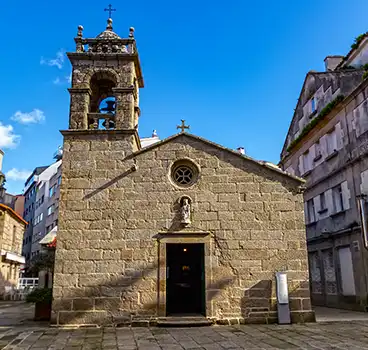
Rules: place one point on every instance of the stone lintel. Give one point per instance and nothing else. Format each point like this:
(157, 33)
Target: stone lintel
(127, 90)
(80, 90)
(75, 132)
(92, 132)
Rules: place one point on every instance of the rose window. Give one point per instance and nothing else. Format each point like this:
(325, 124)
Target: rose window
(184, 173)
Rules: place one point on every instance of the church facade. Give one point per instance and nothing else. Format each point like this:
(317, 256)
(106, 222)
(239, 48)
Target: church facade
(183, 226)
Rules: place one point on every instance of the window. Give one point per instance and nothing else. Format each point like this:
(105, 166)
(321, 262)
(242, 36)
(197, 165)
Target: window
(338, 199)
(59, 180)
(42, 199)
(331, 142)
(322, 200)
(38, 219)
(50, 209)
(184, 173)
(307, 164)
(51, 191)
(318, 149)
(313, 104)
(311, 211)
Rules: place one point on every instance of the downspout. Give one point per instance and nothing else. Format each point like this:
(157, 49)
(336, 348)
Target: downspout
(362, 214)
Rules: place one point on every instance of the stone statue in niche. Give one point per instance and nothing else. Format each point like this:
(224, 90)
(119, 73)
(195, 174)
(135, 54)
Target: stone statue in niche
(185, 211)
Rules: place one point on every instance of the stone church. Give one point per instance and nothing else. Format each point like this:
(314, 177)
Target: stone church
(181, 227)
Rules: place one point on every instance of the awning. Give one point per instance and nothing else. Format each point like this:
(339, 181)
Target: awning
(50, 237)
(13, 257)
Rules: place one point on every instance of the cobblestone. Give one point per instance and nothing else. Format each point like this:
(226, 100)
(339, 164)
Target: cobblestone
(337, 335)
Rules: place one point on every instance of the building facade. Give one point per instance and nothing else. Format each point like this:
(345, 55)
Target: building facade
(46, 199)
(327, 145)
(16, 202)
(180, 226)
(11, 235)
(30, 187)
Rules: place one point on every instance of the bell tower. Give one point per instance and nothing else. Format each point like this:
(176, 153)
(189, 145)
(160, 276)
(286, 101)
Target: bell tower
(104, 97)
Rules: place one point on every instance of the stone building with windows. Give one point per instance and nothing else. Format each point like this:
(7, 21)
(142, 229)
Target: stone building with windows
(11, 235)
(47, 197)
(29, 191)
(180, 226)
(327, 145)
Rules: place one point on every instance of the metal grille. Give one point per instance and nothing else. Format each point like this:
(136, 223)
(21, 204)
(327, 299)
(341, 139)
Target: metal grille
(183, 175)
(329, 271)
(315, 272)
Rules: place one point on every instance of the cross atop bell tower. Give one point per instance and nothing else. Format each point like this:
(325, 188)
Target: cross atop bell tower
(106, 78)
(110, 9)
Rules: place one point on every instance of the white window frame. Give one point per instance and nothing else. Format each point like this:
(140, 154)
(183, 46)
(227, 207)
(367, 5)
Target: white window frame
(338, 199)
(311, 211)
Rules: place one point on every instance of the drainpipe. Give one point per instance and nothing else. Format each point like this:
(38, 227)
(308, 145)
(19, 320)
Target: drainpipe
(363, 218)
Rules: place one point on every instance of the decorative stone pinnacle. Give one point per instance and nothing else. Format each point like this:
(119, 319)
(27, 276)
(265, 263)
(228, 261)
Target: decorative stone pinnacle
(109, 24)
(131, 32)
(80, 31)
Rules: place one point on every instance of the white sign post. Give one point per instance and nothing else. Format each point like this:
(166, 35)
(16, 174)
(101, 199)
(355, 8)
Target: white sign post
(283, 310)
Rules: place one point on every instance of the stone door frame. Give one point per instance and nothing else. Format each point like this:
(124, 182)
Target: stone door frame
(185, 238)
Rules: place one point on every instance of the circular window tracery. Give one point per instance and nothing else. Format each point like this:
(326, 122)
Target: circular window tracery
(184, 173)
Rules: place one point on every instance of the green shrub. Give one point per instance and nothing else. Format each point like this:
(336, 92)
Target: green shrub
(365, 75)
(358, 40)
(325, 111)
(39, 295)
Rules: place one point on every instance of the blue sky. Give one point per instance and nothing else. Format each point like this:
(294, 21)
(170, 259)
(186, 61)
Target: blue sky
(232, 69)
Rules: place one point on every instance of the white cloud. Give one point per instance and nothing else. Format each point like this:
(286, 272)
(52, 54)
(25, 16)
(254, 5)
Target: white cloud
(66, 80)
(58, 61)
(7, 138)
(17, 175)
(36, 116)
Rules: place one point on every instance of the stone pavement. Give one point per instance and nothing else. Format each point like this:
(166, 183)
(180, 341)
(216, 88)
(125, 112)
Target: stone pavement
(18, 331)
(14, 313)
(340, 335)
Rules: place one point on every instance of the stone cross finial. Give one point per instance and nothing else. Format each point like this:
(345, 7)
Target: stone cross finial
(183, 126)
(110, 9)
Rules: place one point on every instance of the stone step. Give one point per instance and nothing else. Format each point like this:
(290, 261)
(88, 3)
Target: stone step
(183, 321)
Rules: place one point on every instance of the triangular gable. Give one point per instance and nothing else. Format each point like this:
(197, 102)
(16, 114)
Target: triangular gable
(213, 144)
(329, 77)
(295, 115)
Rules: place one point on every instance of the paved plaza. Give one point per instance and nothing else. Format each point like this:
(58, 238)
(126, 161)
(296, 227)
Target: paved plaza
(336, 330)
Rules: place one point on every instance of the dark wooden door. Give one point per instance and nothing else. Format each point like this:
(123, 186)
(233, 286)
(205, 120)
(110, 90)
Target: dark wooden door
(185, 279)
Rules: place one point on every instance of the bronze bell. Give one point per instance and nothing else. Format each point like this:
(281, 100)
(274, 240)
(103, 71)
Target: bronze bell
(111, 124)
(110, 108)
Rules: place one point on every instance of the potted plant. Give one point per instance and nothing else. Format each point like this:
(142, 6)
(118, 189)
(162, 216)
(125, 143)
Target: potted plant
(42, 297)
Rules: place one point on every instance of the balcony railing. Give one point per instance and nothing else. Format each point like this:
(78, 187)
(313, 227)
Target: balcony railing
(106, 46)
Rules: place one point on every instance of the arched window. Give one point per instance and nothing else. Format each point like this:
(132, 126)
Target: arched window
(102, 101)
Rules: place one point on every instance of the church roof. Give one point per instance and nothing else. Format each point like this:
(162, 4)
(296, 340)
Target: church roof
(263, 164)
